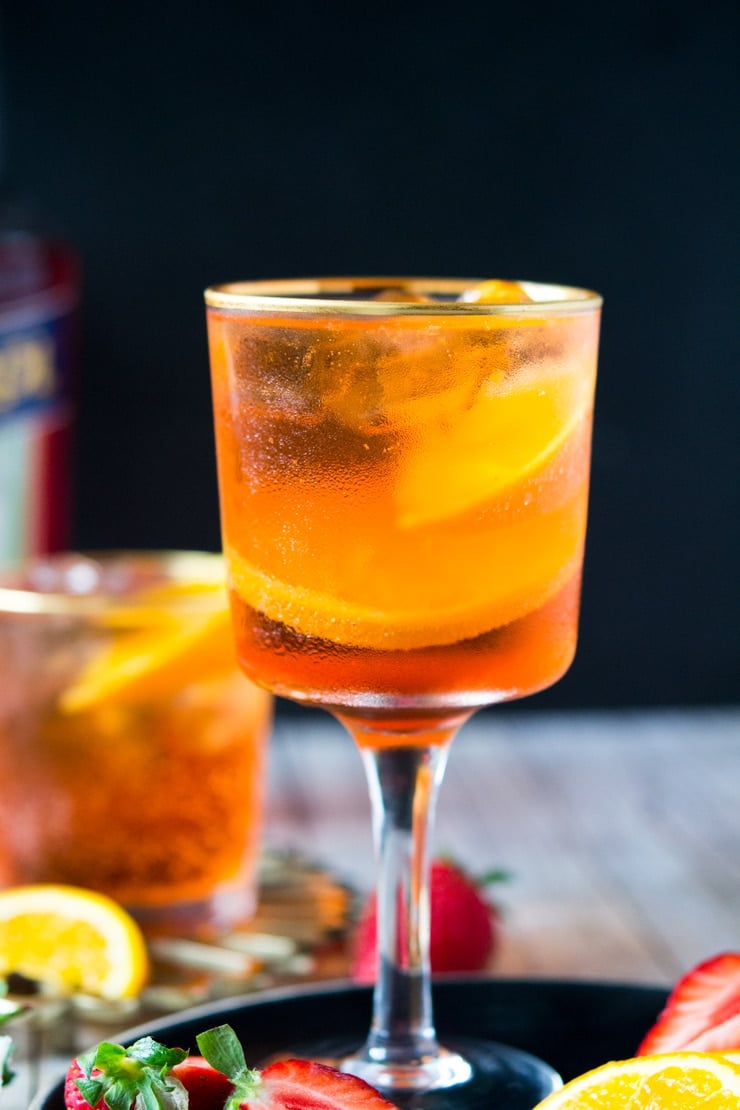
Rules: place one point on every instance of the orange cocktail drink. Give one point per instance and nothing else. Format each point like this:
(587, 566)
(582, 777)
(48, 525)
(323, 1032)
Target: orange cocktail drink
(131, 746)
(404, 495)
(403, 473)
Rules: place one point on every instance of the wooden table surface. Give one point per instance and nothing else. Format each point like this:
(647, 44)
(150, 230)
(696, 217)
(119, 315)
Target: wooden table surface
(621, 830)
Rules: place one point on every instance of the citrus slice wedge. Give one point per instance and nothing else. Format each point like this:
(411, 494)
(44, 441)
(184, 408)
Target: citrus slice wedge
(352, 623)
(74, 940)
(693, 1080)
(506, 437)
(154, 662)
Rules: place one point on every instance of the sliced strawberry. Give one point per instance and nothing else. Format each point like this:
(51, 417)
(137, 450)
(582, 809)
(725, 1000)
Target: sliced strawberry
(286, 1084)
(702, 1012)
(314, 1086)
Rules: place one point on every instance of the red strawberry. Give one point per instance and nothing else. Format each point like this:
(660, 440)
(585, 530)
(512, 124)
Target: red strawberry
(287, 1084)
(114, 1077)
(73, 1097)
(312, 1086)
(207, 1088)
(464, 926)
(703, 1011)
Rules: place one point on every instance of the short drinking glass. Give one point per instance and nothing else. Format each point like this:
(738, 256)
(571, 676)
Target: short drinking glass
(131, 746)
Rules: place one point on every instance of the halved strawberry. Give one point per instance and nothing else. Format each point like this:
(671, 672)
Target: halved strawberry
(702, 1012)
(287, 1084)
(313, 1086)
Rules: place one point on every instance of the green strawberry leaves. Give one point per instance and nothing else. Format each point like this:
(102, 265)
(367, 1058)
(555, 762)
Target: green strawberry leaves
(126, 1074)
(223, 1051)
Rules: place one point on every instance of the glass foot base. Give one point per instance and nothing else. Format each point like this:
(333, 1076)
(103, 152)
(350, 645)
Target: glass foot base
(445, 1069)
(470, 1075)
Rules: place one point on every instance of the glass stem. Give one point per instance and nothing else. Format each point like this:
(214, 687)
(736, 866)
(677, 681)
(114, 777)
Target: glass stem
(404, 775)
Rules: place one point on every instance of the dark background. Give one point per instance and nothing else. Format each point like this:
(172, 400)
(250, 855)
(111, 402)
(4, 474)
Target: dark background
(178, 145)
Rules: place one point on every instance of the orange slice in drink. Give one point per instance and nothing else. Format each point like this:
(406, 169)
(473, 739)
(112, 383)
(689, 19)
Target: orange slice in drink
(159, 658)
(508, 434)
(694, 1080)
(392, 625)
(74, 940)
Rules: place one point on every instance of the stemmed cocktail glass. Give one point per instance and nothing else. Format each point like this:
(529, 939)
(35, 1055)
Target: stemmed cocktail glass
(403, 476)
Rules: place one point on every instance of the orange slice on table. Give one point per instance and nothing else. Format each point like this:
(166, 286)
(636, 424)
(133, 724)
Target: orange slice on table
(693, 1080)
(73, 940)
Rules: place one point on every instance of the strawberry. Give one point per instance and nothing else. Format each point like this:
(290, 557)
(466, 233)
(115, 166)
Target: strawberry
(207, 1088)
(286, 1084)
(702, 1013)
(464, 926)
(147, 1075)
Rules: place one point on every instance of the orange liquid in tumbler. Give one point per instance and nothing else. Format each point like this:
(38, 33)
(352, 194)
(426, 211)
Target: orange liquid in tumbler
(131, 752)
(404, 502)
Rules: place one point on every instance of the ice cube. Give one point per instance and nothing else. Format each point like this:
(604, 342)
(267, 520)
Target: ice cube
(496, 291)
(400, 295)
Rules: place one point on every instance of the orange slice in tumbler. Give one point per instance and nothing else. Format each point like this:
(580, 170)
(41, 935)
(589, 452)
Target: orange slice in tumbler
(157, 660)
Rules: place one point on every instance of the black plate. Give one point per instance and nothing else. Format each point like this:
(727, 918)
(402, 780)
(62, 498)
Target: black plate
(574, 1026)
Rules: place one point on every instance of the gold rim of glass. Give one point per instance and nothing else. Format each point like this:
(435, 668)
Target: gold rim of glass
(179, 568)
(354, 297)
